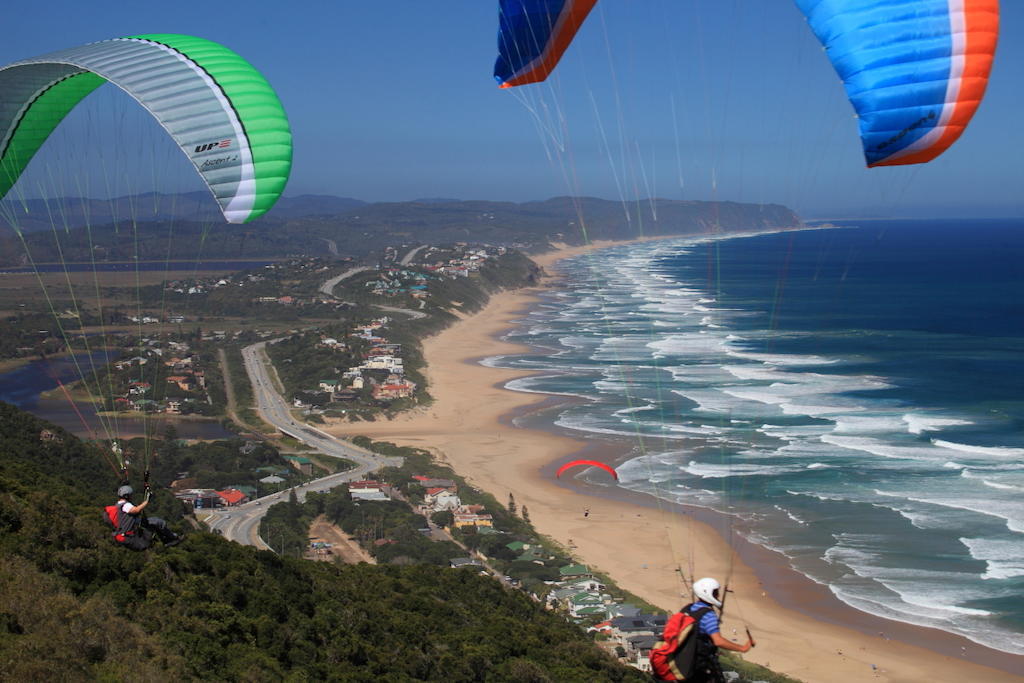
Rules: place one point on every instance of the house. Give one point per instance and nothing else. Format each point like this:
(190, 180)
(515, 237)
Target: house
(623, 610)
(368, 490)
(272, 479)
(558, 595)
(232, 497)
(47, 435)
(588, 612)
(588, 584)
(434, 491)
(173, 408)
(463, 520)
(136, 388)
(393, 390)
(445, 500)
(249, 491)
(328, 385)
(200, 498)
(638, 649)
(184, 382)
(574, 571)
(535, 555)
(144, 405)
(643, 624)
(459, 562)
(368, 495)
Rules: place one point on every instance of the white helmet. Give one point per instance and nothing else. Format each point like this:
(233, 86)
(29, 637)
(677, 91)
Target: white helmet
(706, 589)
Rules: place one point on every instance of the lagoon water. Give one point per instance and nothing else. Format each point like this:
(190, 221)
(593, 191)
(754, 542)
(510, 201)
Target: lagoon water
(24, 385)
(853, 397)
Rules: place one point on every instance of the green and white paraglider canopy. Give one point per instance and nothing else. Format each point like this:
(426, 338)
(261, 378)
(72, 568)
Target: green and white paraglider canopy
(220, 111)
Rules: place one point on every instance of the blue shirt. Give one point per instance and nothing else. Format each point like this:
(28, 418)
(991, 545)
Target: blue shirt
(708, 624)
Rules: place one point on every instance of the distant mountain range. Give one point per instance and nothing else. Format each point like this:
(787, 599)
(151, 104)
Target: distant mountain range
(304, 224)
(35, 214)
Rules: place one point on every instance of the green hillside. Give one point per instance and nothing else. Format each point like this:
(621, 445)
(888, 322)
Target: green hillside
(75, 607)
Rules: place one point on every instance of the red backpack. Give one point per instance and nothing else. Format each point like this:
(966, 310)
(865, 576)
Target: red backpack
(134, 540)
(674, 657)
(111, 514)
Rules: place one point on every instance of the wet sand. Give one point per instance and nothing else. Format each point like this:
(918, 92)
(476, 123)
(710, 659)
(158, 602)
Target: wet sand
(800, 628)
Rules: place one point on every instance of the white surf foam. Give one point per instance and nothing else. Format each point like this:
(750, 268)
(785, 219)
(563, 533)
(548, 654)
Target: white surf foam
(1009, 511)
(918, 424)
(991, 451)
(523, 384)
(866, 424)
(712, 471)
(1004, 558)
(990, 482)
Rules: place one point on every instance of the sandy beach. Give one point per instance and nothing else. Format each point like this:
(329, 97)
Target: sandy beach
(800, 628)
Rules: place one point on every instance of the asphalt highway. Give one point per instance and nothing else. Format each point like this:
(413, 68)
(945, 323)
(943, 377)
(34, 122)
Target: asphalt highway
(241, 523)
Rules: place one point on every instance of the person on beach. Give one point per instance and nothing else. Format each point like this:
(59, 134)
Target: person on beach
(709, 636)
(131, 528)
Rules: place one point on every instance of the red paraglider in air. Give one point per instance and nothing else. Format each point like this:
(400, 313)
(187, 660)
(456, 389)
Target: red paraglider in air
(590, 463)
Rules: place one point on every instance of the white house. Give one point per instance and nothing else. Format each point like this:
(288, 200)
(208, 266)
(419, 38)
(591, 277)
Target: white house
(444, 500)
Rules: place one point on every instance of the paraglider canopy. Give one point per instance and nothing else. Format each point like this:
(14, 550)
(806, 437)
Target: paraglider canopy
(220, 111)
(915, 72)
(588, 463)
(533, 35)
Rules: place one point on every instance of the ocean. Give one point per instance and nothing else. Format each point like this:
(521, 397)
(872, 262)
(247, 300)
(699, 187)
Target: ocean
(853, 397)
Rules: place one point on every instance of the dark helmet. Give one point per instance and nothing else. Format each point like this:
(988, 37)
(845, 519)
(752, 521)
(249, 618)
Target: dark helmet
(125, 491)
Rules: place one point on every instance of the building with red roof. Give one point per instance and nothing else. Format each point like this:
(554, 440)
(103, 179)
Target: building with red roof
(232, 497)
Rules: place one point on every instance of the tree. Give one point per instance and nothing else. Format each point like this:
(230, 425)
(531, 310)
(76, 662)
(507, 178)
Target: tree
(444, 518)
(526, 514)
(511, 504)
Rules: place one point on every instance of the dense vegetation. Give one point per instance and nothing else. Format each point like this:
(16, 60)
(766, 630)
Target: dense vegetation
(75, 607)
(389, 530)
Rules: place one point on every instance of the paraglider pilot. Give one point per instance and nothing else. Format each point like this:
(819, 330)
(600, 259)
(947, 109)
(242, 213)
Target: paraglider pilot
(131, 528)
(710, 638)
(689, 647)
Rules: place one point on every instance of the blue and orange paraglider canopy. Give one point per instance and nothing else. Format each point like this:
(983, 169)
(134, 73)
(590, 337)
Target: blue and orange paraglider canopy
(587, 463)
(915, 72)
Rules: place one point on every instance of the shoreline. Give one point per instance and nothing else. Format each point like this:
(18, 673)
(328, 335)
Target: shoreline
(801, 628)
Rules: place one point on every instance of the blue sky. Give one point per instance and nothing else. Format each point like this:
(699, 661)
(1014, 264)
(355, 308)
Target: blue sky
(683, 99)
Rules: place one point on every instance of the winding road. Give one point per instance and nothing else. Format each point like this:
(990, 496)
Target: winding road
(241, 523)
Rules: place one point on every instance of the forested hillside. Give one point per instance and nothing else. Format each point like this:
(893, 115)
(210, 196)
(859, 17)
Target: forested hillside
(75, 607)
(303, 229)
